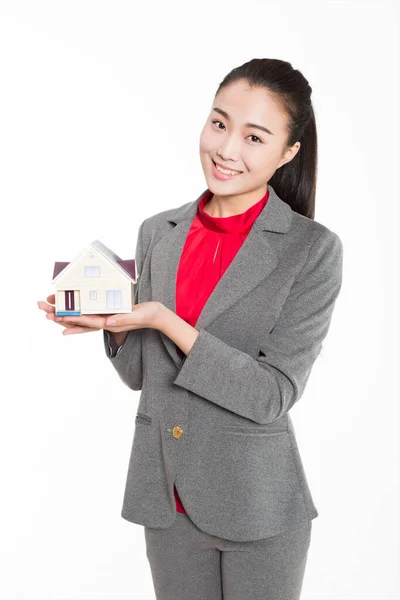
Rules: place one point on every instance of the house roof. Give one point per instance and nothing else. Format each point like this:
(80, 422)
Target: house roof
(125, 266)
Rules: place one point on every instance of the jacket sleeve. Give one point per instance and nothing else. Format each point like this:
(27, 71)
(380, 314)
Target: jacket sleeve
(265, 388)
(127, 358)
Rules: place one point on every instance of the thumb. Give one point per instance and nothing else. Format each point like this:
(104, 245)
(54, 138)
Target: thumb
(119, 320)
(112, 321)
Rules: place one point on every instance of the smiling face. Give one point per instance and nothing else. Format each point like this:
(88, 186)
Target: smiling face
(230, 137)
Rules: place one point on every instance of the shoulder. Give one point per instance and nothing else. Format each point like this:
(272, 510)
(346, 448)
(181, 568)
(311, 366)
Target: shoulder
(313, 233)
(320, 248)
(153, 228)
(160, 222)
(165, 215)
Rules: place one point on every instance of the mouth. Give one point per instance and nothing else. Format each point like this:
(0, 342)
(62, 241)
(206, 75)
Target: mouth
(224, 172)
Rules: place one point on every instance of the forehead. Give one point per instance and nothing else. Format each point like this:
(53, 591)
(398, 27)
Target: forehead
(251, 104)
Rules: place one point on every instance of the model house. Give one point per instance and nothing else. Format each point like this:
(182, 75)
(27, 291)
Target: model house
(95, 282)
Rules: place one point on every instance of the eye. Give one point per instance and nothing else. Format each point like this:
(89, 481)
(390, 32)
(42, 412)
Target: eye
(254, 136)
(251, 135)
(218, 122)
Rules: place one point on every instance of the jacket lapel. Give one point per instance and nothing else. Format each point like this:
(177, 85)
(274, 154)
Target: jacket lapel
(254, 261)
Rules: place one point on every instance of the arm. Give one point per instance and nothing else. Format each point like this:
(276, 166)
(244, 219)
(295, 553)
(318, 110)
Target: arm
(124, 349)
(265, 388)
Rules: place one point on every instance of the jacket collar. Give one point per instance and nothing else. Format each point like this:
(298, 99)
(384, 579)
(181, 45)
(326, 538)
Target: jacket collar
(275, 216)
(255, 260)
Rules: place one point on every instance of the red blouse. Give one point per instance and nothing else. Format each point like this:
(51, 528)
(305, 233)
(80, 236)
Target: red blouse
(210, 246)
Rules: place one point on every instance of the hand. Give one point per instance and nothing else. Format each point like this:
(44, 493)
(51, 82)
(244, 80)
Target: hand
(144, 314)
(96, 321)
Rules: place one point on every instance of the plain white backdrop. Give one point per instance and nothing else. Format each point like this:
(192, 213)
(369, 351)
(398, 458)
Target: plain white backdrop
(101, 109)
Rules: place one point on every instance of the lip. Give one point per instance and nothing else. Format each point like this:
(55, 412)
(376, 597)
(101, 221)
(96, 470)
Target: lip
(224, 167)
(222, 176)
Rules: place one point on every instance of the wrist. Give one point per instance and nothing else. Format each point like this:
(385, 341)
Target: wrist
(163, 318)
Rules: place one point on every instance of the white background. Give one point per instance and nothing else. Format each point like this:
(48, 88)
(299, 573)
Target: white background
(101, 108)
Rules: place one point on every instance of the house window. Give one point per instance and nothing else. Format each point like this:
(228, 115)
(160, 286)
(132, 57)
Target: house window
(114, 298)
(92, 295)
(92, 271)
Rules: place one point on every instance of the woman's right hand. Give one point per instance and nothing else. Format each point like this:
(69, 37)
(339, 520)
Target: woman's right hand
(50, 309)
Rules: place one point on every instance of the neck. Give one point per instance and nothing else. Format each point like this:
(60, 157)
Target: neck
(229, 206)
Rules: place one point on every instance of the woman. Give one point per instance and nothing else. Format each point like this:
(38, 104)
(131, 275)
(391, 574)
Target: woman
(234, 298)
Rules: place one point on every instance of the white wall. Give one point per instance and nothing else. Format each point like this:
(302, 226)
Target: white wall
(92, 96)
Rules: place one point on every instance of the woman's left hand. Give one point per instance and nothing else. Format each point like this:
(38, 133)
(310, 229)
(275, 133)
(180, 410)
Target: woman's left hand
(144, 314)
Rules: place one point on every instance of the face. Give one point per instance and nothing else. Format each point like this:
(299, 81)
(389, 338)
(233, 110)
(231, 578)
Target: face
(230, 137)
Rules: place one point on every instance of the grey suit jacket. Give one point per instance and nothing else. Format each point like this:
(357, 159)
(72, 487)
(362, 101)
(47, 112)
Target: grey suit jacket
(235, 460)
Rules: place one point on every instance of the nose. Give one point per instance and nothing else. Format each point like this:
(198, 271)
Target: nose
(229, 151)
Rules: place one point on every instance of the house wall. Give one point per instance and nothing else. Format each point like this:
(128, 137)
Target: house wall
(109, 279)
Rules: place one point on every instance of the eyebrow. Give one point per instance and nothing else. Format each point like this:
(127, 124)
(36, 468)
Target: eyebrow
(225, 114)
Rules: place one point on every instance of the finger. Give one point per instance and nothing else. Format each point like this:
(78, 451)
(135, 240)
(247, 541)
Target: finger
(93, 321)
(51, 299)
(71, 326)
(120, 324)
(50, 317)
(72, 330)
(46, 307)
(133, 320)
(120, 320)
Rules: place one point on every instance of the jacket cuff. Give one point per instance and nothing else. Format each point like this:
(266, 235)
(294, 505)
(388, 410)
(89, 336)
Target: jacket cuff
(197, 366)
(112, 349)
(227, 376)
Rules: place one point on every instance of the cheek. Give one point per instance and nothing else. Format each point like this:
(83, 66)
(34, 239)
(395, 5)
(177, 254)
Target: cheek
(206, 142)
(260, 162)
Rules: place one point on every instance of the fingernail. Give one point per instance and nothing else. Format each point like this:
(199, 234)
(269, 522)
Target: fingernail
(111, 322)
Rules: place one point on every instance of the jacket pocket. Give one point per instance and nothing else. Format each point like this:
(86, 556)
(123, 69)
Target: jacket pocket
(252, 430)
(252, 467)
(142, 418)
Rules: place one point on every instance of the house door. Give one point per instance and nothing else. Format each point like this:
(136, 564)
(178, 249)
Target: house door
(69, 300)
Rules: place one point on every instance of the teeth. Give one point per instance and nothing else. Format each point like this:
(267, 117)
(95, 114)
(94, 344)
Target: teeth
(226, 170)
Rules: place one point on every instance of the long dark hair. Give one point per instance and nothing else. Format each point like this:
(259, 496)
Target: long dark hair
(295, 181)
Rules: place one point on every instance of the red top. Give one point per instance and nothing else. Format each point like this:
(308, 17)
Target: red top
(210, 246)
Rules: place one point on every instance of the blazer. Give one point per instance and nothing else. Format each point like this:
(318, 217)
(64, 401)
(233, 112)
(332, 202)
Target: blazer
(216, 422)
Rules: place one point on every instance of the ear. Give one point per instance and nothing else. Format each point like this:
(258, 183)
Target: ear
(289, 154)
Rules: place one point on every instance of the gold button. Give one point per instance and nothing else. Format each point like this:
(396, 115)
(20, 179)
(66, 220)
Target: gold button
(177, 432)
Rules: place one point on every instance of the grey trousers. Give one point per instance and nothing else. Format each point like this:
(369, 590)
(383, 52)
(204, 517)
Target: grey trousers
(189, 564)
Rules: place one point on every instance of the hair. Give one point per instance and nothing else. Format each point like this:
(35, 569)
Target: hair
(295, 181)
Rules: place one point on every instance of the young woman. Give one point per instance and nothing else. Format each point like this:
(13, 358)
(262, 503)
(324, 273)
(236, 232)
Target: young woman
(234, 298)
